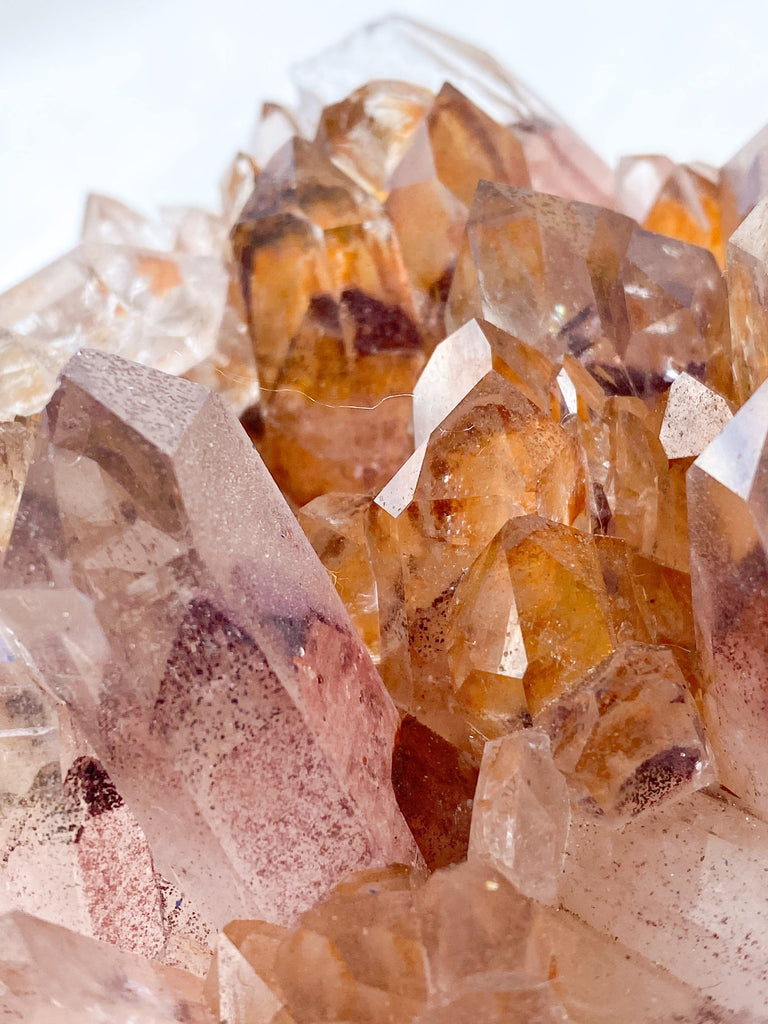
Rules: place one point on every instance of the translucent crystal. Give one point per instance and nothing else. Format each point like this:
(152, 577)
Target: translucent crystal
(521, 813)
(400, 49)
(680, 200)
(629, 735)
(465, 946)
(729, 576)
(55, 976)
(748, 298)
(683, 885)
(634, 308)
(228, 697)
(158, 309)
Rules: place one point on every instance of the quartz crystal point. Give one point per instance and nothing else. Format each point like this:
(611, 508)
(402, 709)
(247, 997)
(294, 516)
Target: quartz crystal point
(629, 735)
(466, 946)
(747, 274)
(679, 200)
(521, 813)
(634, 308)
(339, 416)
(729, 575)
(49, 975)
(685, 886)
(540, 607)
(303, 208)
(637, 457)
(228, 697)
(400, 49)
(367, 134)
(337, 346)
(494, 456)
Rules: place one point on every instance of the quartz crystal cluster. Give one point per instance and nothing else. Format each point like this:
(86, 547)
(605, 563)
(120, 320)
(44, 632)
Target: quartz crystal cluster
(435, 689)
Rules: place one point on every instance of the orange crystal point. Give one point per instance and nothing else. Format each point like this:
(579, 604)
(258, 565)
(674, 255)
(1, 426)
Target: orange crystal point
(457, 145)
(304, 212)
(633, 307)
(367, 133)
(683, 201)
(224, 670)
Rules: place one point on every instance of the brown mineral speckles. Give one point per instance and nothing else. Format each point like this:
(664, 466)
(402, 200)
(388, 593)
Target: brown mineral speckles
(203, 710)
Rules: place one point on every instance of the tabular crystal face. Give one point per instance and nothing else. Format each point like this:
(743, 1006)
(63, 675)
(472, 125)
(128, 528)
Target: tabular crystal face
(635, 308)
(729, 572)
(229, 698)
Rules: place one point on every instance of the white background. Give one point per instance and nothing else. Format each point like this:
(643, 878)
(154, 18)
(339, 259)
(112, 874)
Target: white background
(147, 99)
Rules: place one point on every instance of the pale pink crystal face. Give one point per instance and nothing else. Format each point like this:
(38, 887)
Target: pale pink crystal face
(729, 575)
(236, 710)
(53, 976)
(682, 886)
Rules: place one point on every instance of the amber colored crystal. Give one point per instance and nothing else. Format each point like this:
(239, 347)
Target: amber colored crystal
(629, 735)
(339, 416)
(682, 201)
(633, 307)
(305, 213)
(335, 527)
(494, 456)
(462, 947)
(367, 133)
